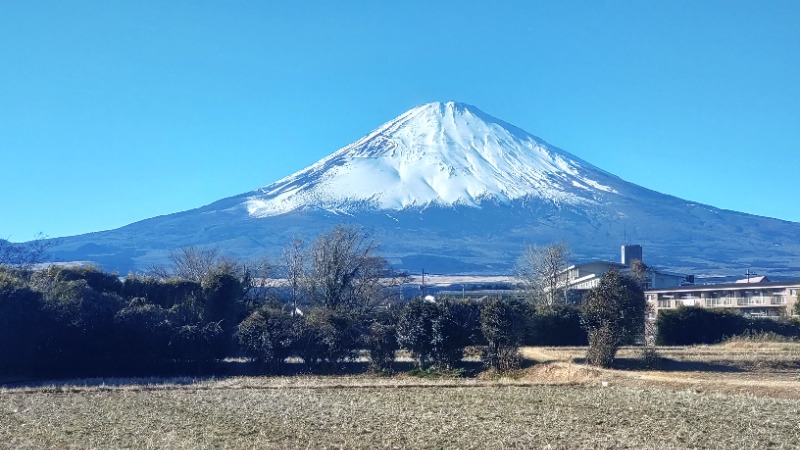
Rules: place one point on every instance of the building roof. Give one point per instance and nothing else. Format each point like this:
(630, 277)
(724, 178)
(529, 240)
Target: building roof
(752, 280)
(599, 261)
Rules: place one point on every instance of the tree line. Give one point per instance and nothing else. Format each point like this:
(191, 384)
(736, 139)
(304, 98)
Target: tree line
(336, 301)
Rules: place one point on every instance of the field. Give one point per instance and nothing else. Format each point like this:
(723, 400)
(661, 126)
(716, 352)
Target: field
(728, 396)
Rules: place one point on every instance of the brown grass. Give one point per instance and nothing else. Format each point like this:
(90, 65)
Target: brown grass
(556, 403)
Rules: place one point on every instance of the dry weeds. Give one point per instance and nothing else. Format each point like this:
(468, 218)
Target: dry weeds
(556, 403)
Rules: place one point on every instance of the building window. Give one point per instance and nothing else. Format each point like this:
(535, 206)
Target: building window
(777, 300)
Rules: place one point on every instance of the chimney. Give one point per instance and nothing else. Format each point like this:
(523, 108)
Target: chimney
(630, 253)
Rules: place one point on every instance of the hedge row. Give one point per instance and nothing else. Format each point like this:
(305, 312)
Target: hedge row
(696, 325)
(66, 321)
(81, 321)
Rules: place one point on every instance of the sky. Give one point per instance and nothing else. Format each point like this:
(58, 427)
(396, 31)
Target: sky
(113, 112)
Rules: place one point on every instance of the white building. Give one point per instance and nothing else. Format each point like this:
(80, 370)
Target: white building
(754, 297)
(579, 278)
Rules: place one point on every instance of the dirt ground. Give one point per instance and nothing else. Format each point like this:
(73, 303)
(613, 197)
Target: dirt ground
(725, 396)
(759, 369)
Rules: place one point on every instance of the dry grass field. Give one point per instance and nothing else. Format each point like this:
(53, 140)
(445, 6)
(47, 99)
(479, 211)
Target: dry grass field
(727, 396)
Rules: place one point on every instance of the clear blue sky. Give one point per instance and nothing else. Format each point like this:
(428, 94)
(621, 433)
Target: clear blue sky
(113, 112)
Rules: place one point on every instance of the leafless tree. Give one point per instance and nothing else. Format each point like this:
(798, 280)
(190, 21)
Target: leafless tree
(541, 273)
(158, 271)
(345, 271)
(294, 257)
(256, 276)
(192, 263)
(24, 256)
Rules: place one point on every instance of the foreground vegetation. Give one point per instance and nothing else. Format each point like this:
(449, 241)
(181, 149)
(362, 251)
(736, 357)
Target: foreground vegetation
(336, 304)
(553, 403)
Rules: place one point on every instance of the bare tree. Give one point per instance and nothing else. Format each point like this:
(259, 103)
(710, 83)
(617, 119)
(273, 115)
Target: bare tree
(294, 257)
(24, 256)
(541, 273)
(158, 271)
(256, 276)
(192, 263)
(344, 270)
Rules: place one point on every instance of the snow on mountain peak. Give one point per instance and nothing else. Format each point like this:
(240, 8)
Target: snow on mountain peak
(435, 154)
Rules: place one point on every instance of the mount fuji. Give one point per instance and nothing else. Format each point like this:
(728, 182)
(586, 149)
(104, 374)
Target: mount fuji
(451, 189)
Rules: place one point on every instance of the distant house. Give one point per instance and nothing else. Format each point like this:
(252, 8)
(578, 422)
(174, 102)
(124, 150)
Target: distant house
(756, 296)
(580, 278)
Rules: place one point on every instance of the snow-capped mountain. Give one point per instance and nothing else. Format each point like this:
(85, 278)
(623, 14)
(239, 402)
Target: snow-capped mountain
(437, 154)
(449, 188)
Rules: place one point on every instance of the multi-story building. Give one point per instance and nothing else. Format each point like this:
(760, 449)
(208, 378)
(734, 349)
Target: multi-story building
(580, 278)
(754, 297)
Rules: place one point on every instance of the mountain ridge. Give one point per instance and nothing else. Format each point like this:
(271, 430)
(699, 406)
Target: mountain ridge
(447, 182)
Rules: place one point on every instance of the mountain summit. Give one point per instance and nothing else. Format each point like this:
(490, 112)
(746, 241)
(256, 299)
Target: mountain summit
(437, 154)
(452, 189)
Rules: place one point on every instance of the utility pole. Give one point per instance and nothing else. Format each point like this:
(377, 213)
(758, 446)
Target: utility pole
(749, 274)
(423, 283)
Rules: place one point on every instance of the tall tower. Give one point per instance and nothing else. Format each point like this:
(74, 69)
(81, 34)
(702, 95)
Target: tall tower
(630, 253)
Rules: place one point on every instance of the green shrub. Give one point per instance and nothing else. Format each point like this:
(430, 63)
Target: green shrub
(143, 331)
(96, 279)
(504, 326)
(418, 331)
(326, 338)
(20, 321)
(556, 325)
(459, 326)
(77, 326)
(437, 333)
(267, 335)
(380, 339)
(613, 314)
(163, 292)
(696, 325)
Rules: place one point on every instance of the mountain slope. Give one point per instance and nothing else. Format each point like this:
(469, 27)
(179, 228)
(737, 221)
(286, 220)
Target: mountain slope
(449, 188)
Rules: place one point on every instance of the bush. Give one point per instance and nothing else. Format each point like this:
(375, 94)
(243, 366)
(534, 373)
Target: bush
(74, 321)
(381, 340)
(20, 319)
(557, 325)
(750, 336)
(613, 314)
(436, 333)
(96, 279)
(143, 331)
(223, 293)
(78, 324)
(696, 325)
(418, 331)
(163, 292)
(503, 323)
(459, 326)
(327, 337)
(197, 342)
(267, 335)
